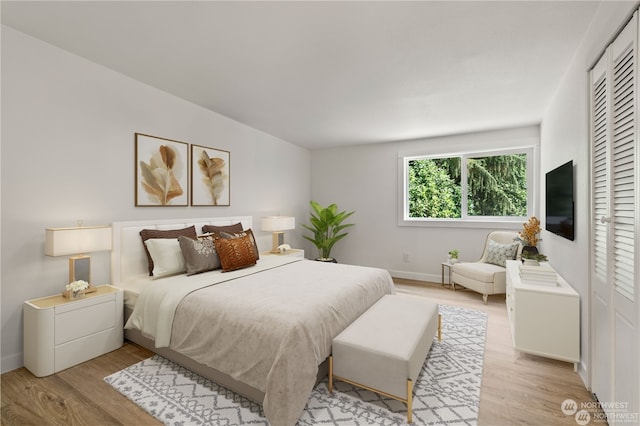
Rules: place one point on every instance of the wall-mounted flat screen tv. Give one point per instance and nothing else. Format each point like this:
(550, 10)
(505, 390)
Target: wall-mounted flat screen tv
(559, 201)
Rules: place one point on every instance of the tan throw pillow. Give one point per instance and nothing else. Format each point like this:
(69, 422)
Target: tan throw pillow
(199, 255)
(147, 234)
(235, 253)
(247, 232)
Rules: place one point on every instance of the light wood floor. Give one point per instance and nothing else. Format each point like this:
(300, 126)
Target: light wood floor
(517, 389)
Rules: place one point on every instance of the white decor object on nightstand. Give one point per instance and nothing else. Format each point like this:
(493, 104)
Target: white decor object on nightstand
(544, 320)
(60, 333)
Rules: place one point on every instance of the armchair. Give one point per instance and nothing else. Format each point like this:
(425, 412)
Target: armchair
(488, 275)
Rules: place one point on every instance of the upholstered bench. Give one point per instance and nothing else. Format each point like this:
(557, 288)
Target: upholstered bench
(385, 348)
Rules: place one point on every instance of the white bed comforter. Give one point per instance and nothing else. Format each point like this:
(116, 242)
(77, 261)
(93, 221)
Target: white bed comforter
(156, 306)
(270, 329)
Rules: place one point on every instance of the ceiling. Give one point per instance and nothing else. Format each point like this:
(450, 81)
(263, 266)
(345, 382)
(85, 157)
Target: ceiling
(325, 74)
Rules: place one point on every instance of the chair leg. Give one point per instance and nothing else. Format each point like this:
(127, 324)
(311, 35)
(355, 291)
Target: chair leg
(485, 297)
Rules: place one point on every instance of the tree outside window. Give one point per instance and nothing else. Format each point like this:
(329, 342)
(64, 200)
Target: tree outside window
(495, 186)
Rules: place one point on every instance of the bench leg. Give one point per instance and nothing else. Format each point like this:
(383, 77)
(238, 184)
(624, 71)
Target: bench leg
(409, 401)
(439, 327)
(330, 373)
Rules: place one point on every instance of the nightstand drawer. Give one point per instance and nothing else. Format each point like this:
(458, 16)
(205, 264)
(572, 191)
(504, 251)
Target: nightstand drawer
(91, 319)
(85, 348)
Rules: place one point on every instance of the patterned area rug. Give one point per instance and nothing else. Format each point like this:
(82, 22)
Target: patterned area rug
(447, 391)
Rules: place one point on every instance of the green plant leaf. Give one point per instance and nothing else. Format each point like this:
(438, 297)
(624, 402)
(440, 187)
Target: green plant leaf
(326, 225)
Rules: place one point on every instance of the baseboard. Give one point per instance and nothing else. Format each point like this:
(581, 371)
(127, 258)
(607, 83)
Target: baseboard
(10, 363)
(582, 372)
(419, 276)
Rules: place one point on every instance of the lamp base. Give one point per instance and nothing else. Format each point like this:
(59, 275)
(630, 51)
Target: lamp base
(80, 269)
(277, 239)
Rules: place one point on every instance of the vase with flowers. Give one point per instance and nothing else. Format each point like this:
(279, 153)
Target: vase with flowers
(530, 236)
(75, 290)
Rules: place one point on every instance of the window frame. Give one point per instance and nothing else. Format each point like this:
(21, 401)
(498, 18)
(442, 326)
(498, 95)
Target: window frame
(509, 222)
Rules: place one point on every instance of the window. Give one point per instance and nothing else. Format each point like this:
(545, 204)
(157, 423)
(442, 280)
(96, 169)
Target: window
(468, 187)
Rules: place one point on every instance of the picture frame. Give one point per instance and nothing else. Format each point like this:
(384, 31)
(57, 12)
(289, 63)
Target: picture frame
(162, 172)
(210, 176)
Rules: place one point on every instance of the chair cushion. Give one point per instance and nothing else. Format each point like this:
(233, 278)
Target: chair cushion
(479, 271)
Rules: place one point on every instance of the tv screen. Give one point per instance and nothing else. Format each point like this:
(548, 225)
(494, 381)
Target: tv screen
(559, 201)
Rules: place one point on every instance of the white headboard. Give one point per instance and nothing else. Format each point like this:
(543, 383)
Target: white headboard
(128, 257)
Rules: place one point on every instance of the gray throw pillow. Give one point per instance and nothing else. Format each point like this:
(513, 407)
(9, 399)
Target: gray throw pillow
(199, 254)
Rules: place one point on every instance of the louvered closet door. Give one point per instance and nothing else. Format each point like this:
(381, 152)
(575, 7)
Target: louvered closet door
(614, 308)
(602, 332)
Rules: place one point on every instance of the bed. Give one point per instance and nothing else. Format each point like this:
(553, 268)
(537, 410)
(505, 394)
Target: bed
(264, 331)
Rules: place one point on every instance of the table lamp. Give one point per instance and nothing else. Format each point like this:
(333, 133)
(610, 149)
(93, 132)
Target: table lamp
(277, 225)
(77, 242)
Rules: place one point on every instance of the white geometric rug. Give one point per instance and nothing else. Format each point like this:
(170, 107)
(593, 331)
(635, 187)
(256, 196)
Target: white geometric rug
(447, 391)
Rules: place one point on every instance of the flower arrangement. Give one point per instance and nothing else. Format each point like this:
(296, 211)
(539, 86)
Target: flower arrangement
(530, 231)
(76, 285)
(74, 288)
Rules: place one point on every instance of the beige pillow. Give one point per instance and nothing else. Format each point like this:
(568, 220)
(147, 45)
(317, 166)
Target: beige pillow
(166, 255)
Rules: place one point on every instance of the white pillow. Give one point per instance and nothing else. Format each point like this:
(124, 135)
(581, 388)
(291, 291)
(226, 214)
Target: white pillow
(499, 253)
(167, 256)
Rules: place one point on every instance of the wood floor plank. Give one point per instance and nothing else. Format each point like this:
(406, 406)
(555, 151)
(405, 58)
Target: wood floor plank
(516, 388)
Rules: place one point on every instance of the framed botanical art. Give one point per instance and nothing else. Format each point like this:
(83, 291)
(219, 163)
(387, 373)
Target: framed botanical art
(209, 176)
(162, 173)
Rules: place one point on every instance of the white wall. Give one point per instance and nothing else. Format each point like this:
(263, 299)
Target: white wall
(564, 137)
(365, 179)
(68, 153)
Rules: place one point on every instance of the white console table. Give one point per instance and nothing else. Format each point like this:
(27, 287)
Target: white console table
(544, 320)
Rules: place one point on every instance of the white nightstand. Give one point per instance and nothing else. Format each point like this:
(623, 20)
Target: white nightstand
(60, 333)
(291, 252)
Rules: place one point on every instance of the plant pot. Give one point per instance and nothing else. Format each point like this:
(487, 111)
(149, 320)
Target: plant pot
(76, 295)
(326, 259)
(529, 250)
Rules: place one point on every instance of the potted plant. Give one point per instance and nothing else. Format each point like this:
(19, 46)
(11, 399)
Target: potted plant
(453, 256)
(529, 235)
(327, 227)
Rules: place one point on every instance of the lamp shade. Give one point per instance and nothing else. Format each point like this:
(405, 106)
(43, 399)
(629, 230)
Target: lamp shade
(278, 223)
(81, 239)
